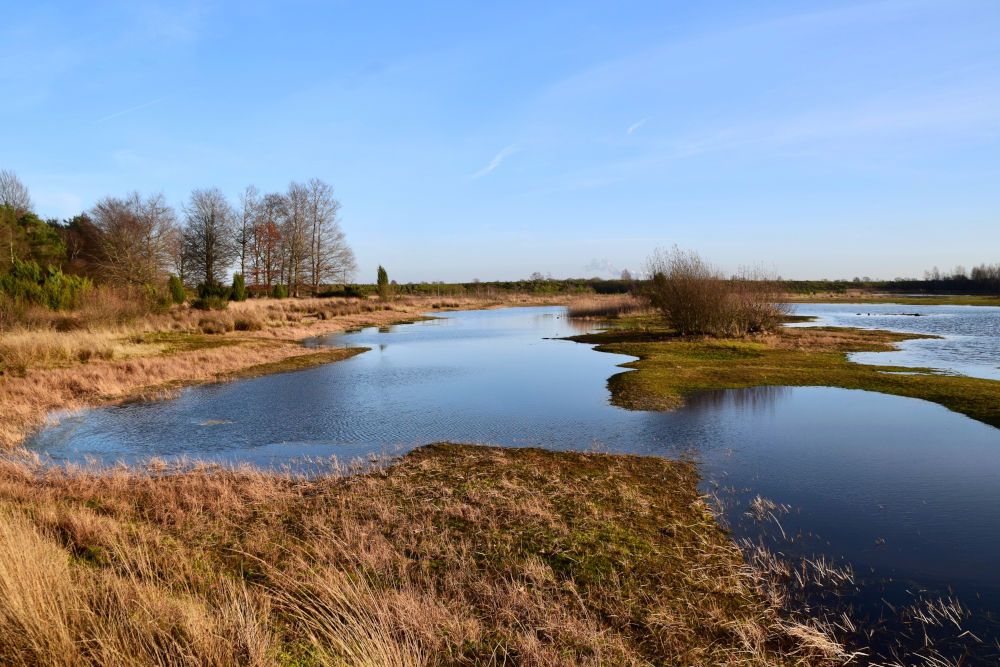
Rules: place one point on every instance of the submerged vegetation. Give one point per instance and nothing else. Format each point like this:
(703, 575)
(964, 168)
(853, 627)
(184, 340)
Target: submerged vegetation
(456, 555)
(671, 366)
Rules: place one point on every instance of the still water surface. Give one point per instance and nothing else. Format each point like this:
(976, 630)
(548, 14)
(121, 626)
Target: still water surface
(904, 490)
(969, 342)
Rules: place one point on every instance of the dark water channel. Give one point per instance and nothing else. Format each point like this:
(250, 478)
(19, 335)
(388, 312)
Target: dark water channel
(904, 491)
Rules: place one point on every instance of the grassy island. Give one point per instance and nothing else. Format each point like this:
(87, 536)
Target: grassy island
(671, 367)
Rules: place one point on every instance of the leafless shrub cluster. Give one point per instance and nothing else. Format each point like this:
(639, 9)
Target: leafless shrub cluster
(697, 298)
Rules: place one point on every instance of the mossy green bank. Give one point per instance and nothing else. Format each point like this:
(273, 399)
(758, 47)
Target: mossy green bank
(671, 367)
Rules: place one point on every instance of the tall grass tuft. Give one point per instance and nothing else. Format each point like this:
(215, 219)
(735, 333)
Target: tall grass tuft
(457, 555)
(603, 307)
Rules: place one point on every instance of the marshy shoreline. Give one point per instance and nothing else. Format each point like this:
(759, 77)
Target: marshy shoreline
(454, 554)
(669, 368)
(45, 369)
(608, 537)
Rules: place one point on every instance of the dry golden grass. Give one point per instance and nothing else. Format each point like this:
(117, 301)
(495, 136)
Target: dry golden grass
(457, 555)
(23, 349)
(607, 306)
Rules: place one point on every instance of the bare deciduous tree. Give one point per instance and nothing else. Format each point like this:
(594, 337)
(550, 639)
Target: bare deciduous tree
(343, 264)
(137, 237)
(249, 210)
(13, 192)
(292, 238)
(266, 252)
(209, 247)
(330, 258)
(295, 235)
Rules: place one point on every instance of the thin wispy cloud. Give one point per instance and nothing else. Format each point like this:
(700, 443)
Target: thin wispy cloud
(496, 161)
(671, 56)
(635, 126)
(967, 114)
(137, 107)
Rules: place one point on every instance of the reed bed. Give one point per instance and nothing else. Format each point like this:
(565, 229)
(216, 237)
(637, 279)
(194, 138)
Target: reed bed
(607, 307)
(456, 555)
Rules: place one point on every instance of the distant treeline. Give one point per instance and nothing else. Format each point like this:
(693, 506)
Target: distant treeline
(537, 286)
(486, 288)
(982, 279)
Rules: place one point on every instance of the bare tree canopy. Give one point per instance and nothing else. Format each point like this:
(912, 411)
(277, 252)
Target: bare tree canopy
(294, 238)
(209, 245)
(250, 202)
(295, 234)
(266, 251)
(14, 193)
(330, 258)
(137, 237)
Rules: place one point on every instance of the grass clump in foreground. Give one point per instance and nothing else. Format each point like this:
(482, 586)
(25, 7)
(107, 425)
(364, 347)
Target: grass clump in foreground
(672, 367)
(455, 555)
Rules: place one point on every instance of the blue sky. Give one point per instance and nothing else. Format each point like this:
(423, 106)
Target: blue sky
(490, 140)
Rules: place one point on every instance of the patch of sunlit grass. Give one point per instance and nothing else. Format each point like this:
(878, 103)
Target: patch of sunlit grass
(455, 555)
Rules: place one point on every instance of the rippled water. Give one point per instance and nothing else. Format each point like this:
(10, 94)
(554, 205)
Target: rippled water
(970, 343)
(904, 490)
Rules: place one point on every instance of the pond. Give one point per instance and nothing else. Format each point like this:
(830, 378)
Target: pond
(904, 491)
(969, 342)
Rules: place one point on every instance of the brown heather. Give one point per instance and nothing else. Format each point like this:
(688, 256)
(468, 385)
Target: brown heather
(457, 555)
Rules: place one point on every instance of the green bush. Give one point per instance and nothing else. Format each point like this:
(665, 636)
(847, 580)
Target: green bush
(210, 302)
(279, 292)
(27, 236)
(213, 290)
(238, 292)
(177, 293)
(354, 291)
(29, 283)
(382, 283)
(157, 299)
(348, 291)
